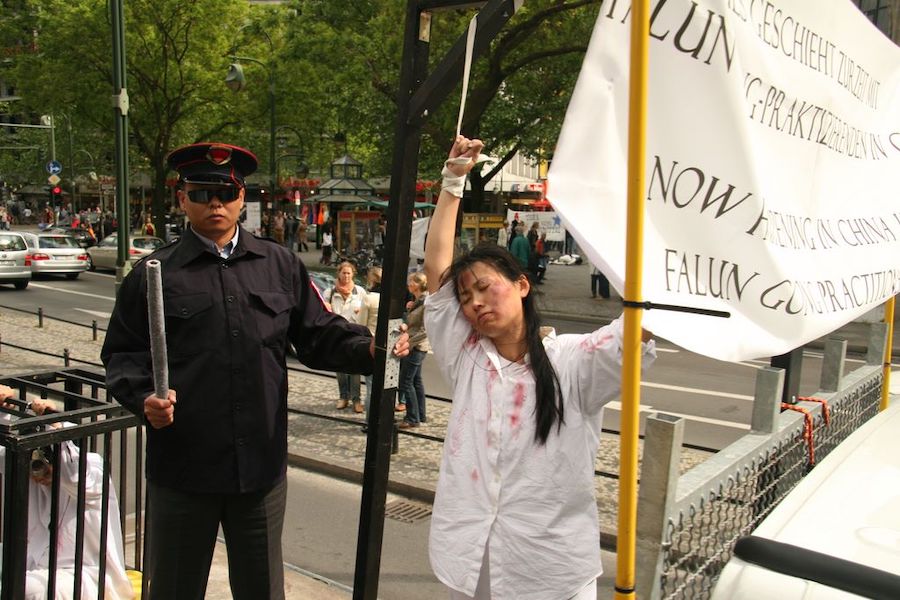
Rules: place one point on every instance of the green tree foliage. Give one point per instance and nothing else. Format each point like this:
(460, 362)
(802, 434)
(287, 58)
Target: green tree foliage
(175, 69)
(24, 150)
(335, 67)
(518, 91)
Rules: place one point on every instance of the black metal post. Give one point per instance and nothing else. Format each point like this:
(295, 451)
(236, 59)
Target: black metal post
(120, 111)
(792, 363)
(15, 523)
(399, 227)
(273, 174)
(417, 98)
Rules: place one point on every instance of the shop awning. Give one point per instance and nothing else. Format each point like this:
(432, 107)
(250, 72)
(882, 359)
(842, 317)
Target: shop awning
(343, 198)
(384, 204)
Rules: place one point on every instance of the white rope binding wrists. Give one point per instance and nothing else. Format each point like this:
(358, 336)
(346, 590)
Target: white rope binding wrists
(453, 183)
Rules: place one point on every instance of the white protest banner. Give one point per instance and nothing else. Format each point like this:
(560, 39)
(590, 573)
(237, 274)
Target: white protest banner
(773, 168)
(548, 222)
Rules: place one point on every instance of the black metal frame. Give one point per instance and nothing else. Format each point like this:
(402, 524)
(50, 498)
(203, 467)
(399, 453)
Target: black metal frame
(418, 96)
(93, 417)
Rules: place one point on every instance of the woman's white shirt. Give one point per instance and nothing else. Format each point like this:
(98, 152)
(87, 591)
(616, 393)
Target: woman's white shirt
(534, 504)
(354, 308)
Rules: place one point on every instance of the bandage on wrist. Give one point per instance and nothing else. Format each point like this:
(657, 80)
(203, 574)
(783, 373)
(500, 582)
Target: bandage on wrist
(453, 183)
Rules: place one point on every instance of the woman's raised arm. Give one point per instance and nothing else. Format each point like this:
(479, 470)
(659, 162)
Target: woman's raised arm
(442, 229)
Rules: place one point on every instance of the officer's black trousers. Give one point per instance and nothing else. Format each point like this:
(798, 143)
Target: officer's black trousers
(182, 529)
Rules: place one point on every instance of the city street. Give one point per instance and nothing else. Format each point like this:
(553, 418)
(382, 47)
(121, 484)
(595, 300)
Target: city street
(714, 396)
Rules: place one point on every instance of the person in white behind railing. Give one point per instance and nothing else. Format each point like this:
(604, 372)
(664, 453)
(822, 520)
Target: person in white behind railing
(40, 502)
(514, 514)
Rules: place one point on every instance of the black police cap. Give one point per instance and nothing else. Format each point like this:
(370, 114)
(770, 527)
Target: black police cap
(212, 163)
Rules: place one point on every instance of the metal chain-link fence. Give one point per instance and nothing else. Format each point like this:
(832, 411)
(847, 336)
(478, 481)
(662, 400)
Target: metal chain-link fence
(701, 532)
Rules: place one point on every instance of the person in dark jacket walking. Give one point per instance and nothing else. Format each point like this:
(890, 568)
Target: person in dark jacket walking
(217, 445)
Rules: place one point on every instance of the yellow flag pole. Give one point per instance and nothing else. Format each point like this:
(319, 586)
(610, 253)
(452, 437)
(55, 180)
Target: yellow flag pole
(631, 364)
(889, 319)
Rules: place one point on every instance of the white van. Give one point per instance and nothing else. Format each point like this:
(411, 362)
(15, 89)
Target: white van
(834, 536)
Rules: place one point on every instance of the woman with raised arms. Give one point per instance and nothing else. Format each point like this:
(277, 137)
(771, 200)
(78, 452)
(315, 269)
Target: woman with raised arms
(514, 515)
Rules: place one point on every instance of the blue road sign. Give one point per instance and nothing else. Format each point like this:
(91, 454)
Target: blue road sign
(54, 167)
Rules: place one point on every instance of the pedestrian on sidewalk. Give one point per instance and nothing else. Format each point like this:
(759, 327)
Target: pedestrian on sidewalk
(327, 242)
(503, 235)
(217, 444)
(278, 227)
(599, 283)
(302, 245)
(411, 385)
(514, 512)
(348, 299)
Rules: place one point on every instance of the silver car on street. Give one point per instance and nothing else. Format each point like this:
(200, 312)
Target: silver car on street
(104, 254)
(15, 265)
(53, 253)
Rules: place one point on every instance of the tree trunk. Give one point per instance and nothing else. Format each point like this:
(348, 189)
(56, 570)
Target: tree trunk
(476, 201)
(160, 197)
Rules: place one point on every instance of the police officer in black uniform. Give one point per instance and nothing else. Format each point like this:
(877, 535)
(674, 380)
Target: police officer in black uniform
(217, 446)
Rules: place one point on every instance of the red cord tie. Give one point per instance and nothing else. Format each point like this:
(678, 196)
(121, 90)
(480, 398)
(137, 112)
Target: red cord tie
(808, 422)
(826, 411)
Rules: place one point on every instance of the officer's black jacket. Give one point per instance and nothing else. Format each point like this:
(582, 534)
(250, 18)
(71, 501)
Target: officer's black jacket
(228, 325)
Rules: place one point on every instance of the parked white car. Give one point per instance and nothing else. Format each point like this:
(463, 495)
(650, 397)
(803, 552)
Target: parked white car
(834, 536)
(53, 253)
(15, 266)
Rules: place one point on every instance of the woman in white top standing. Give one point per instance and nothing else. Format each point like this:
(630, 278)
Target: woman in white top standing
(348, 300)
(514, 515)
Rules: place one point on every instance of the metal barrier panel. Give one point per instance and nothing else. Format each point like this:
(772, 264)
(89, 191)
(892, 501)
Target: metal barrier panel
(80, 443)
(727, 496)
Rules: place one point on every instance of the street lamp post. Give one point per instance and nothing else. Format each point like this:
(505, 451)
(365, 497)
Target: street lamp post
(120, 111)
(235, 82)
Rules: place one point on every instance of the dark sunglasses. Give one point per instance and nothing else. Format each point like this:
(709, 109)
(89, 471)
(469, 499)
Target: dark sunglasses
(204, 196)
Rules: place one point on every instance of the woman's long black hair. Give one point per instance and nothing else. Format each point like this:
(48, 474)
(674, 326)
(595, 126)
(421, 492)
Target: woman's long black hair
(549, 408)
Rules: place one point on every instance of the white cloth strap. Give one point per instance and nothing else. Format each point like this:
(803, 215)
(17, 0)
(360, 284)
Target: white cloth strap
(467, 67)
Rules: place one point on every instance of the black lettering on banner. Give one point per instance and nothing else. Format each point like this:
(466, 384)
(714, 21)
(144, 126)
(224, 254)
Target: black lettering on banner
(784, 230)
(773, 108)
(704, 276)
(894, 139)
(805, 233)
(682, 185)
(827, 296)
(701, 36)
